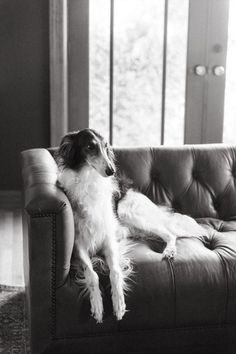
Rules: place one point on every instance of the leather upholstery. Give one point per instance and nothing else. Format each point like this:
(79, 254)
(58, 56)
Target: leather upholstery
(188, 305)
(199, 181)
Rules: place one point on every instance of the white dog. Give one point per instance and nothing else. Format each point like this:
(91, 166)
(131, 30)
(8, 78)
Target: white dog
(87, 174)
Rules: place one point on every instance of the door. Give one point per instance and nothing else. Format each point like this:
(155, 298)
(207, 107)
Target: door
(229, 131)
(206, 67)
(146, 72)
(158, 49)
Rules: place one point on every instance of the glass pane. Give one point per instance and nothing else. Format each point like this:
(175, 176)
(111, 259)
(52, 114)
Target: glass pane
(229, 134)
(138, 60)
(177, 36)
(138, 45)
(99, 37)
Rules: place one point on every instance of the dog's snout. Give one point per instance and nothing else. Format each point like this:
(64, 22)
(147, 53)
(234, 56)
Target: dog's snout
(110, 171)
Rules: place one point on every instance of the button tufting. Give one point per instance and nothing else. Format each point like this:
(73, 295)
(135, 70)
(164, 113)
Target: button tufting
(176, 205)
(195, 174)
(155, 175)
(216, 205)
(209, 244)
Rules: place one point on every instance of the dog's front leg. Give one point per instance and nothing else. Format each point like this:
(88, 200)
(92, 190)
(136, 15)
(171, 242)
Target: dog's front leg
(111, 253)
(92, 285)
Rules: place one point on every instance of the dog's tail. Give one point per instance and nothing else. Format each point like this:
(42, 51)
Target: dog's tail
(126, 247)
(125, 259)
(187, 227)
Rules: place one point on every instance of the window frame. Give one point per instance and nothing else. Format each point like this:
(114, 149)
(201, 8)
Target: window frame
(69, 66)
(69, 69)
(207, 46)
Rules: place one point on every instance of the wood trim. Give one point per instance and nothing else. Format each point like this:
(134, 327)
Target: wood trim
(78, 64)
(164, 68)
(111, 73)
(11, 199)
(196, 55)
(218, 39)
(58, 69)
(207, 46)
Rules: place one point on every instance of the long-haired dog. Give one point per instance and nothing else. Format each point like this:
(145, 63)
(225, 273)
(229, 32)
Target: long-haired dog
(88, 175)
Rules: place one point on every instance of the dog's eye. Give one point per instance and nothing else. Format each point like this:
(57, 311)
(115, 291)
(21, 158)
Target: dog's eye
(91, 146)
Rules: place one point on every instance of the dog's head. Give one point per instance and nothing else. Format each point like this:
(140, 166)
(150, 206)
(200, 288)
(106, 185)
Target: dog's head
(86, 147)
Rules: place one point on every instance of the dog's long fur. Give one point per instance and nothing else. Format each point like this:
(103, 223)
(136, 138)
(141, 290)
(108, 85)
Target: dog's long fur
(87, 174)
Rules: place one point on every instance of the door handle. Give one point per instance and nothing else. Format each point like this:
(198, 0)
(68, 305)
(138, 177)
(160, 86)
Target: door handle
(200, 70)
(218, 70)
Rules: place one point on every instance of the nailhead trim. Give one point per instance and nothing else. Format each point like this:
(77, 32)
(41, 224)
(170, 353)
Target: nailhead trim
(52, 216)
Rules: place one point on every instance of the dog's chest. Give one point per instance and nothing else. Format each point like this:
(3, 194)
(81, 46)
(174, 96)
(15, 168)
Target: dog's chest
(93, 193)
(91, 199)
(96, 217)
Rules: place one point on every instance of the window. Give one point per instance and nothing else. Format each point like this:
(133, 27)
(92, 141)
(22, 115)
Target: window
(149, 48)
(129, 68)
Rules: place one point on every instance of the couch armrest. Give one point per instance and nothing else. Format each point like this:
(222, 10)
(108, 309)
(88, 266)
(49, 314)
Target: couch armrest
(44, 201)
(48, 242)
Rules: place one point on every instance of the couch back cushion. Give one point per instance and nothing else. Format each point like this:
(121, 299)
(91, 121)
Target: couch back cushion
(198, 180)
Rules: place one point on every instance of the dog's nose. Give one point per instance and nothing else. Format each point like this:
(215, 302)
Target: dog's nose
(110, 171)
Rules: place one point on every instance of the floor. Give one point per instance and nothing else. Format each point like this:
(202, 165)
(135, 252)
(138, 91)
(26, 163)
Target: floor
(11, 247)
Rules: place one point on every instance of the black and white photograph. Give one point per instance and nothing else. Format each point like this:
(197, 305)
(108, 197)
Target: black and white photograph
(118, 176)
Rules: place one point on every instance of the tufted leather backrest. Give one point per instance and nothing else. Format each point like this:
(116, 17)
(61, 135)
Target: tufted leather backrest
(198, 180)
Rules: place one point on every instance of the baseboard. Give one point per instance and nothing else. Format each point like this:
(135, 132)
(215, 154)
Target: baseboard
(10, 199)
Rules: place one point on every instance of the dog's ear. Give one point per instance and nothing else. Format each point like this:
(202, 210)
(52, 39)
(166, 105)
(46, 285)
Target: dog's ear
(66, 151)
(110, 153)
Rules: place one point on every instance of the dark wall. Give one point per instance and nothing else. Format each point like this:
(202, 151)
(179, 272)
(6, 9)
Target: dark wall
(24, 84)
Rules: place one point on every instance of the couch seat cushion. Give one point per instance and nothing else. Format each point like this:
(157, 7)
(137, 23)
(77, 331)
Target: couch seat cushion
(198, 288)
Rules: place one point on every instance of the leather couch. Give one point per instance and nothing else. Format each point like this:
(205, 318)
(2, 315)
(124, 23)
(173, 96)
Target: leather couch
(183, 306)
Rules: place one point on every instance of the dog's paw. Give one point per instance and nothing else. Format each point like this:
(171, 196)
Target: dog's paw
(119, 306)
(97, 307)
(169, 252)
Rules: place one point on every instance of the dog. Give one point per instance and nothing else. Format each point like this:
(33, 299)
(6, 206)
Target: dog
(107, 213)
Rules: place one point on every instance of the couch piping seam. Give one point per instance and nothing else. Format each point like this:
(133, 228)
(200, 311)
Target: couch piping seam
(227, 285)
(52, 217)
(53, 278)
(171, 266)
(49, 213)
(127, 332)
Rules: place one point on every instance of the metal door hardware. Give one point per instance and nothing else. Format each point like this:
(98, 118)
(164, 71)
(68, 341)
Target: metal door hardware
(218, 70)
(200, 70)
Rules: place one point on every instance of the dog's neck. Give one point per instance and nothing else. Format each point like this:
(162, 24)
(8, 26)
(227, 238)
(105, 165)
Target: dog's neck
(86, 185)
